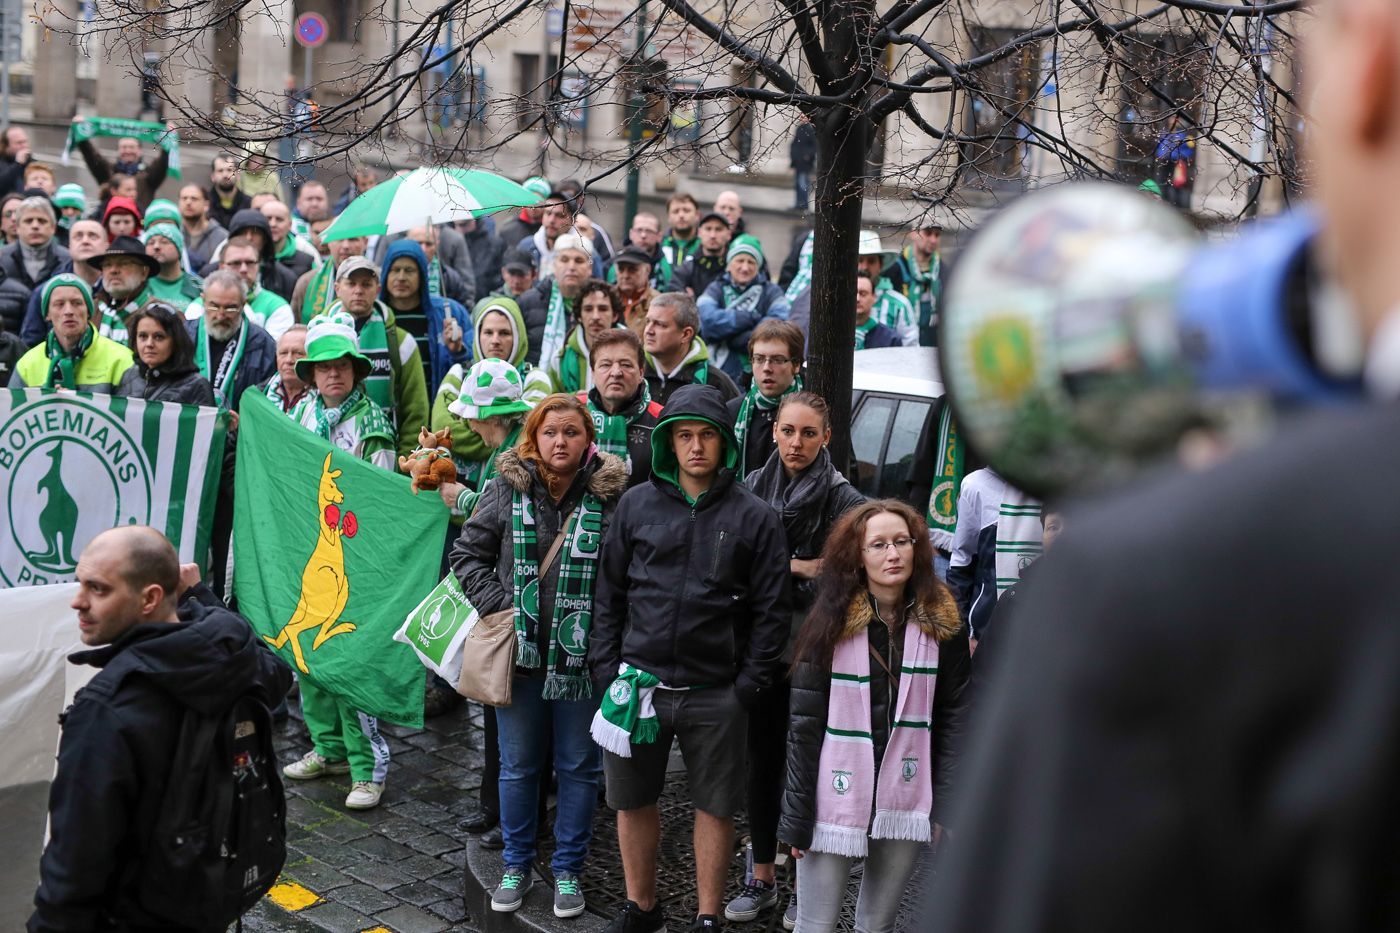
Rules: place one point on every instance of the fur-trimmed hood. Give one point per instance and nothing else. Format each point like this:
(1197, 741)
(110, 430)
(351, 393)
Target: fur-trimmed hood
(607, 481)
(939, 618)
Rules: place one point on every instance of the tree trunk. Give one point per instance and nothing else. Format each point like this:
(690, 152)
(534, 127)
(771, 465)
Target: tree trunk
(842, 139)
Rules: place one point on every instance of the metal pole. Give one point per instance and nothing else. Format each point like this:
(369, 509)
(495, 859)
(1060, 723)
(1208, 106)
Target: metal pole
(5, 74)
(634, 129)
(306, 74)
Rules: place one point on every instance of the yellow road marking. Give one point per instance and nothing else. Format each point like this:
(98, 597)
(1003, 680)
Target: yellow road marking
(291, 896)
(377, 930)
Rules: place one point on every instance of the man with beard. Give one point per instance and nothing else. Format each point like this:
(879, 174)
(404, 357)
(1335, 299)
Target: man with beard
(225, 199)
(231, 351)
(30, 262)
(125, 271)
(707, 263)
(263, 308)
(86, 239)
(548, 308)
(622, 409)
(203, 234)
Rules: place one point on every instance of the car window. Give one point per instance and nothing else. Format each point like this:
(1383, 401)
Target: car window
(903, 446)
(868, 430)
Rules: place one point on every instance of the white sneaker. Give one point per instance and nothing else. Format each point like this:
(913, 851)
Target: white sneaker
(364, 795)
(313, 765)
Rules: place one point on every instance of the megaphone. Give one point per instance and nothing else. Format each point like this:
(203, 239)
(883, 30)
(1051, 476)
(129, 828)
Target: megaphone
(1086, 329)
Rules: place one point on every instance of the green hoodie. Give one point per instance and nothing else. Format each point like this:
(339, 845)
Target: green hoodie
(664, 464)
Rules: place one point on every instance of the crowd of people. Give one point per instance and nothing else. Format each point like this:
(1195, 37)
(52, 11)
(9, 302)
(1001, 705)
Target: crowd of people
(644, 483)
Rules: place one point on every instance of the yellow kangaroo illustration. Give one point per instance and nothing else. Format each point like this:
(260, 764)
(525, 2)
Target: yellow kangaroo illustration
(324, 588)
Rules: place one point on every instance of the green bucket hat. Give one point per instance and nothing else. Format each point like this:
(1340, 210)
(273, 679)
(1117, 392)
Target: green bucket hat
(490, 387)
(161, 211)
(330, 337)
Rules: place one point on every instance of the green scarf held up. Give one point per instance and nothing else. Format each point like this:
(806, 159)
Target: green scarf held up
(63, 364)
(566, 668)
(755, 400)
(143, 130)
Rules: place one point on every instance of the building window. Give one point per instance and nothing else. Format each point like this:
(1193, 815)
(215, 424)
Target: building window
(999, 117)
(344, 21)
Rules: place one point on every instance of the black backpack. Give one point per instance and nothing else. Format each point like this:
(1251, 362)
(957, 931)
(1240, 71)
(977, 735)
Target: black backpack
(221, 837)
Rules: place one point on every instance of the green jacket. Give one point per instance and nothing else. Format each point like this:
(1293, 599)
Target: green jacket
(181, 293)
(100, 369)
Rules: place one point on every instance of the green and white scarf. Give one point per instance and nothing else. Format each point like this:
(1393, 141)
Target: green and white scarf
(612, 429)
(674, 253)
(573, 372)
(863, 331)
(145, 131)
(922, 284)
(435, 278)
(627, 713)
(374, 345)
(556, 324)
(221, 379)
(320, 291)
(803, 278)
(63, 364)
(566, 673)
(756, 400)
(947, 481)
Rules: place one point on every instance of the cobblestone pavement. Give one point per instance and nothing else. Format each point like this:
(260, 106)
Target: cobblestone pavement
(400, 867)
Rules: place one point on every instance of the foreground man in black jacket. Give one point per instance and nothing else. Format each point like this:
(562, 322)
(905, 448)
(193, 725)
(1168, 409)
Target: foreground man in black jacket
(120, 733)
(1202, 731)
(693, 591)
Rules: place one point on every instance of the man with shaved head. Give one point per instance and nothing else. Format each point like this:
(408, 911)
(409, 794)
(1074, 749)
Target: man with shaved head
(164, 644)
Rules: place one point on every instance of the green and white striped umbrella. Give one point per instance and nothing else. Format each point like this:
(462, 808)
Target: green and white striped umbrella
(424, 196)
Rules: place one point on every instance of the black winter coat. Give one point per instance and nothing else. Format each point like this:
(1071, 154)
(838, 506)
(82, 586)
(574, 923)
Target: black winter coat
(758, 442)
(534, 308)
(187, 387)
(483, 559)
(696, 594)
(16, 285)
(696, 273)
(811, 692)
(221, 215)
(486, 250)
(114, 757)
(258, 364)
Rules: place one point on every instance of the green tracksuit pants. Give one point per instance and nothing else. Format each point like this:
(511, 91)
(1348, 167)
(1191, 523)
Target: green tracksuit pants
(340, 733)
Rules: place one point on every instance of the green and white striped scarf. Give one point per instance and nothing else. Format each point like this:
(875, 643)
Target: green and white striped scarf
(923, 283)
(556, 324)
(863, 331)
(320, 291)
(435, 278)
(612, 429)
(803, 278)
(221, 379)
(756, 399)
(947, 481)
(566, 674)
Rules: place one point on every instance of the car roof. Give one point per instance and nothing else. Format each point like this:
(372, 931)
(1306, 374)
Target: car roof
(898, 370)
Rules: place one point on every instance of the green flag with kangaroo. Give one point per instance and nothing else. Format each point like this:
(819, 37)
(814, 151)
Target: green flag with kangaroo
(330, 554)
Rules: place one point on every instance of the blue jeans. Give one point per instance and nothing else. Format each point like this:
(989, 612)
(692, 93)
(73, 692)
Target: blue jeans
(577, 762)
(802, 187)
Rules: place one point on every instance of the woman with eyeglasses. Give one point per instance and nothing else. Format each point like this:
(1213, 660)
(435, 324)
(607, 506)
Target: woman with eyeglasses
(803, 486)
(878, 683)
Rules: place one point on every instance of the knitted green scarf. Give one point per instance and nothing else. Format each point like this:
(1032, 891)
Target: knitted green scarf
(63, 364)
(756, 399)
(566, 674)
(612, 428)
(863, 331)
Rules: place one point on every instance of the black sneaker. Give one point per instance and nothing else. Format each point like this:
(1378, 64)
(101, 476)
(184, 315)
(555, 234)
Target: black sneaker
(632, 919)
(705, 923)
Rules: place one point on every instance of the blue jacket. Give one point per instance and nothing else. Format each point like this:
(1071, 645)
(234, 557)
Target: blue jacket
(439, 358)
(724, 328)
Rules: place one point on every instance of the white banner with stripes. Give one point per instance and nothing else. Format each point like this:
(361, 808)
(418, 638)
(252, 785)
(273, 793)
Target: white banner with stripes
(73, 465)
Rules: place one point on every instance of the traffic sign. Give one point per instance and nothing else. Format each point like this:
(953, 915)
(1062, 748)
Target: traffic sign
(312, 30)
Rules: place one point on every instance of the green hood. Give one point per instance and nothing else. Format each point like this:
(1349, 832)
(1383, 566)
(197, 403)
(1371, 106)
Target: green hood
(699, 351)
(663, 459)
(510, 309)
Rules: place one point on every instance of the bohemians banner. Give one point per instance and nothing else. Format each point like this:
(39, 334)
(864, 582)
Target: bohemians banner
(73, 465)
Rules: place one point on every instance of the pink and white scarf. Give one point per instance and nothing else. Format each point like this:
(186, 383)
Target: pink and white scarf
(847, 787)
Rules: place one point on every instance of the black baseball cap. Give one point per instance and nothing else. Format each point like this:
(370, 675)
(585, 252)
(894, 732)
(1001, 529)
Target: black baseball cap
(712, 215)
(633, 256)
(518, 261)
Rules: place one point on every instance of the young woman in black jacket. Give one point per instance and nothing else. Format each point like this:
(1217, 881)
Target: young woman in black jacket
(803, 486)
(164, 370)
(877, 717)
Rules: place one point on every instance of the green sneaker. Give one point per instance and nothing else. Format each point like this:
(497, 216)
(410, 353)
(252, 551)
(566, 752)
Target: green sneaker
(510, 893)
(568, 896)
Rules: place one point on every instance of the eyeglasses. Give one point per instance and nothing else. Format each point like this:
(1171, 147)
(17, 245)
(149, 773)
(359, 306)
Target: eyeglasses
(879, 547)
(775, 360)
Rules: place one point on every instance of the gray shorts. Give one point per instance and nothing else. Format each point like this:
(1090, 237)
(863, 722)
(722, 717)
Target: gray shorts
(712, 728)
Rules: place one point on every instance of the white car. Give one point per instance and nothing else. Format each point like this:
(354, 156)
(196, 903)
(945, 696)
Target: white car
(896, 396)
